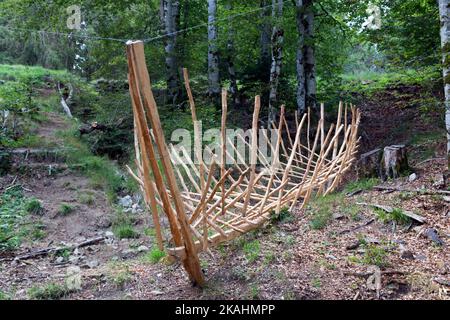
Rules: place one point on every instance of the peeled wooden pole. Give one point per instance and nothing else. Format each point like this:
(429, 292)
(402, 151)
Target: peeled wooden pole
(224, 214)
(254, 154)
(136, 58)
(224, 143)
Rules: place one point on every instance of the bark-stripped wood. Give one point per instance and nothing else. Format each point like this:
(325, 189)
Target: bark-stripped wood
(217, 203)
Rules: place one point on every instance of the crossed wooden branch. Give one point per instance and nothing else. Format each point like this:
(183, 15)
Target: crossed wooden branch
(219, 202)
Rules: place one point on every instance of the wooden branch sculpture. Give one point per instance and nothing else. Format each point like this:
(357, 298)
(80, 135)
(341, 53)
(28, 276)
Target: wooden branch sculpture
(218, 201)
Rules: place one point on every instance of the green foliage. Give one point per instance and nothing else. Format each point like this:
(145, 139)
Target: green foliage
(86, 198)
(370, 82)
(65, 209)
(4, 296)
(51, 291)
(12, 213)
(120, 274)
(397, 215)
(284, 216)
(362, 184)
(316, 282)
(38, 232)
(375, 255)
(409, 34)
(125, 231)
(65, 253)
(34, 206)
(123, 226)
(102, 172)
(251, 250)
(155, 255)
(254, 291)
(321, 210)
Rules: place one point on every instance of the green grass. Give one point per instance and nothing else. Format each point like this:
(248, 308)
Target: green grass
(51, 291)
(316, 283)
(371, 82)
(254, 291)
(35, 74)
(397, 215)
(65, 209)
(375, 255)
(38, 232)
(119, 274)
(251, 250)
(122, 225)
(4, 296)
(102, 172)
(154, 256)
(362, 184)
(12, 218)
(321, 210)
(86, 198)
(269, 257)
(34, 206)
(125, 231)
(284, 216)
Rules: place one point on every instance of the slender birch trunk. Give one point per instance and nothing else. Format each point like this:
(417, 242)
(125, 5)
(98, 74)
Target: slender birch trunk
(300, 59)
(213, 53)
(170, 10)
(230, 58)
(444, 12)
(265, 36)
(277, 57)
(310, 60)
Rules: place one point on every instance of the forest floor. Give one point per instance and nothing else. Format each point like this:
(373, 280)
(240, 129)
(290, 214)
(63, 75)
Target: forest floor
(326, 251)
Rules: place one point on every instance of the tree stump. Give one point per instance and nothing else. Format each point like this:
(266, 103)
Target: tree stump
(369, 164)
(394, 161)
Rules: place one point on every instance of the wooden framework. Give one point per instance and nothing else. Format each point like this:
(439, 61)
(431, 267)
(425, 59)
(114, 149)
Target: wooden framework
(219, 202)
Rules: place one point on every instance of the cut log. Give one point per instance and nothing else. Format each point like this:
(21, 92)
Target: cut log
(394, 162)
(369, 164)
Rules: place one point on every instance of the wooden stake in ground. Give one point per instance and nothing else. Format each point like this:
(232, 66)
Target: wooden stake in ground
(137, 64)
(202, 214)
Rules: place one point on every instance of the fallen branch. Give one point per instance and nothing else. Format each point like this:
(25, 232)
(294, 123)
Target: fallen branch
(430, 159)
(421, 191)
(46, 251)
(353, 193)
(389, 209)
(357, 227)
(367, 274)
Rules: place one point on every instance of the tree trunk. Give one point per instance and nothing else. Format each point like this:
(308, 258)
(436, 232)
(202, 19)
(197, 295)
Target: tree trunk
(369, 164)
(444, 12)
(300, 59)
(277, 57)
(310, 61)
(394, 162)
(230, 58)
(213, 54)
(265, 39)
(170, 10)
